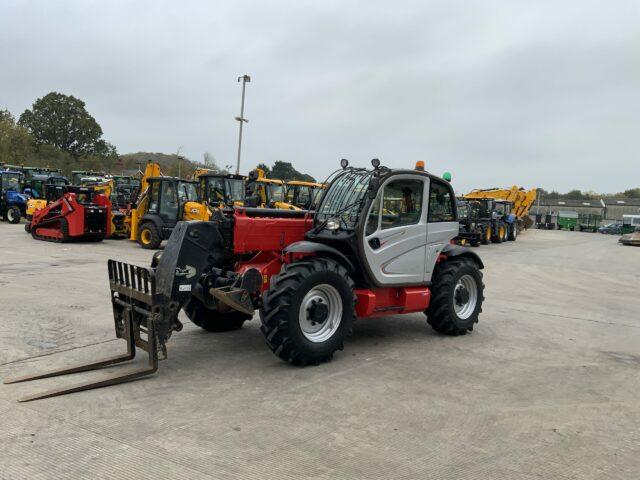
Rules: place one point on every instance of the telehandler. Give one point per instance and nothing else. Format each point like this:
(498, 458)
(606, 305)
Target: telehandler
(362, 254)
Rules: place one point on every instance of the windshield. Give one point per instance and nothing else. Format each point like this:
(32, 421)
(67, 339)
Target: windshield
(345, 193)
(276, 192)
(235, 189)
(11, 181)
(187, 192)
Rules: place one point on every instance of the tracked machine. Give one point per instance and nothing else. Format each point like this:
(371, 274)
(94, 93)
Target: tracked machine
(79, 213)
(379, 244)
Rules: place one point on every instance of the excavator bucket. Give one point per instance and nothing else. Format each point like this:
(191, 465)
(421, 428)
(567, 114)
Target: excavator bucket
(135, 309)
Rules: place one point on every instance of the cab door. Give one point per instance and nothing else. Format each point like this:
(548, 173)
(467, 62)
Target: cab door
(442, 223)
(395, 236)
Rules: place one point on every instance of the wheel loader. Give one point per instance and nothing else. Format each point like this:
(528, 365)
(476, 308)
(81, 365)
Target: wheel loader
(379, 244)
(266, 192)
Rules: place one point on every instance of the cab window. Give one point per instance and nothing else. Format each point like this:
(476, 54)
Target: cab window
(401, 203)
(440, 203)
(154, 189)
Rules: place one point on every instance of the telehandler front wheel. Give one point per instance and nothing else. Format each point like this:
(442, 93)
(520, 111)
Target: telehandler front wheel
(149, 236)
(456, 297)
(213, 320)
(308, 311)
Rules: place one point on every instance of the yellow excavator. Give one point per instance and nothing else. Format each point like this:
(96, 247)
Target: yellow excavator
(266, 192)
(304, 195)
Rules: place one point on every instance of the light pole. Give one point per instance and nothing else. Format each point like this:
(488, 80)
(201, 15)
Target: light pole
(241, 119)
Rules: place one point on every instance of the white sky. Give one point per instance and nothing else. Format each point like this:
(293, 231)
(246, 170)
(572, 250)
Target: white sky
(543, 93)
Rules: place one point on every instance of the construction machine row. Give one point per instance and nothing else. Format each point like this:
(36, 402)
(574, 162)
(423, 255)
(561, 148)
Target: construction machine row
(370, 242)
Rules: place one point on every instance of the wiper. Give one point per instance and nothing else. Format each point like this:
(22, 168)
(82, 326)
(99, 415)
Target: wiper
(337, 214)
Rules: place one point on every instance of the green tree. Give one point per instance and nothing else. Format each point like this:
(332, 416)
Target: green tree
(632, 193)
(15, 142)
(574, 195)
(285, 171)
(63, 121)
(265, 167)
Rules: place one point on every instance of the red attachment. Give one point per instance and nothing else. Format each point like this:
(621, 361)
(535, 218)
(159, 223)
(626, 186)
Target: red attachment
(381, 302)
(253, 234)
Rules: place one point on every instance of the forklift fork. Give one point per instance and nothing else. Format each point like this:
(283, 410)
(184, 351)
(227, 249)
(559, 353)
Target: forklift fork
(129, 298)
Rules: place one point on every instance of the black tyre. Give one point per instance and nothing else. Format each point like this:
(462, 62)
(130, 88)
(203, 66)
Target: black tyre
(213, 320)
(149, 236)
(499, 234)
(513, 231)
(13, 215)
(457, 295)
(308, 311)
(486, 236)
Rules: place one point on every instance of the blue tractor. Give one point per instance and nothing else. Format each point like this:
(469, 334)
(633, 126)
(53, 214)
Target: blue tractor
(13, 204)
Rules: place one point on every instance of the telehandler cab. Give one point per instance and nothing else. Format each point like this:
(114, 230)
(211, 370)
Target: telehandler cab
(379, 244)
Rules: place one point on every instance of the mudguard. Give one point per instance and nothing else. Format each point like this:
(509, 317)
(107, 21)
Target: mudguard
(305, 246)
(457, 251)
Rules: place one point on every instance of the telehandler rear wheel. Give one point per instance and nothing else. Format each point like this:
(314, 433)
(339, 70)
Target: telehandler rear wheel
(213, 320)
(148, 236)
(457, 295)
(308, 310)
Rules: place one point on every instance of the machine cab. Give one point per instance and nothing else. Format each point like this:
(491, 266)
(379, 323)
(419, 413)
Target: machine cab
(168, 198)
(222, 190)
(398, 221)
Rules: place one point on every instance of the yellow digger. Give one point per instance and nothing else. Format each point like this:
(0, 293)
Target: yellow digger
(304, 195)
(163, 202)
(266, 192)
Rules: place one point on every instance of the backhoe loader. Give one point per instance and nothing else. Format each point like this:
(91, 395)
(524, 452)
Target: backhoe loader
(218, 189)
(309, 275)
(304, 195)
(266, 192)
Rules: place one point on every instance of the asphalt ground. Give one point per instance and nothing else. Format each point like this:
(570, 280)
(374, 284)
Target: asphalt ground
(546, 387)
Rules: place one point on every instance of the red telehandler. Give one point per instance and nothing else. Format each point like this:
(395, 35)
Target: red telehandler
(79, 213)
(378, 244)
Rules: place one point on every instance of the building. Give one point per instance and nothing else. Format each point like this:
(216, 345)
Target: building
(610, 209)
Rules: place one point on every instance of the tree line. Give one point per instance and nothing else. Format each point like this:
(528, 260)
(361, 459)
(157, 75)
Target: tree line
(588, 195)
(59, 132)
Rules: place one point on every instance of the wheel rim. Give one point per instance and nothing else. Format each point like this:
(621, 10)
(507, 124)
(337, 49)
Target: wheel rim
(10, 216)
(320, 313)
(488, 234)
(501, 232)
(465, 297)
(145, 237)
